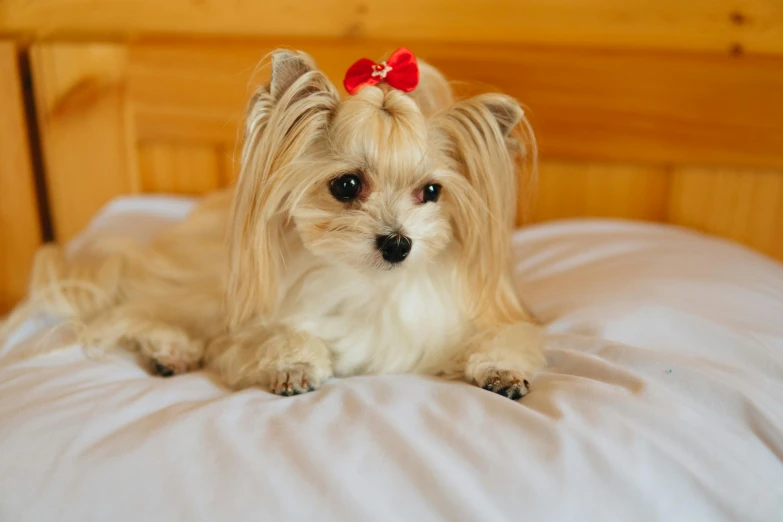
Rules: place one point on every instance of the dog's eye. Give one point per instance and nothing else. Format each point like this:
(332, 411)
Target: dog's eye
(346, 188)
(429, 193)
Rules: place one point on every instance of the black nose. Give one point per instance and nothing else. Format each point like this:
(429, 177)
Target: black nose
(394, 248)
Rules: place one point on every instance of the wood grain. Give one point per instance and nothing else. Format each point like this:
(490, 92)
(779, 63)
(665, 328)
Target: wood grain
(177, 168)
(85, 125)
(631, 106)
(743, 205)
(568, 189)
(615, 127)
(229, 161)
(715, 25)
(20, 232)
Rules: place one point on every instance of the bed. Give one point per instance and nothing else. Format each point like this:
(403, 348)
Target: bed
(663, 397)
(662, 400)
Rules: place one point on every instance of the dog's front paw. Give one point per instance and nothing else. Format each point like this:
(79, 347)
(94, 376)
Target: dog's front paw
(274, 357)
(503, 362)
(296, 379)
(508, 383)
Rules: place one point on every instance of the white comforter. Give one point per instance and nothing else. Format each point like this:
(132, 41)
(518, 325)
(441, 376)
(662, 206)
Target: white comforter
(663, 400)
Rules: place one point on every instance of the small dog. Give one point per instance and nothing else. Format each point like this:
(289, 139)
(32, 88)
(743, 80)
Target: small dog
(366, 235)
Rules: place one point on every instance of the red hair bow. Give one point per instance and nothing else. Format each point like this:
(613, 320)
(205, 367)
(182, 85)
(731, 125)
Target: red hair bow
(400, 71)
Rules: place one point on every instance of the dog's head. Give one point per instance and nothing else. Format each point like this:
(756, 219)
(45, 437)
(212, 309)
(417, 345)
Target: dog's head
(378, 181)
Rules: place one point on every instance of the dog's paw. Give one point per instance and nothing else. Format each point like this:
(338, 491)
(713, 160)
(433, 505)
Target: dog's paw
(162, 369)
(170, 366)
(296, 379)
(507, 383)
(504, 361)
(173, 357)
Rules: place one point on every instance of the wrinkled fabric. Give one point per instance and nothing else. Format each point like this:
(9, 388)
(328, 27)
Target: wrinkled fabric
(663, 400)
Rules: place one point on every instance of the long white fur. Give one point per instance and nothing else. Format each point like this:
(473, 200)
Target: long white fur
(299, 293)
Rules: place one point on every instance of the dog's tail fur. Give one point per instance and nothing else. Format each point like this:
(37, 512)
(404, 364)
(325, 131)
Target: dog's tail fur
(178, 275)
(72, 292)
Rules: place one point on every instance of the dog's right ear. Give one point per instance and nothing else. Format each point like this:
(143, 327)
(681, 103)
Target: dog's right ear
(294, 76)
(283, 120)
(287, 67)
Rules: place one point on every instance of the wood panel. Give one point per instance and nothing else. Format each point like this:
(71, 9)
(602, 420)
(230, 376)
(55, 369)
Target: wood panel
(715, 25)
(180, 168)
(20, 232)
(572, 189)
(609, 122)
(85, 125)
(630, 106)
(739, 204)
(229, 160)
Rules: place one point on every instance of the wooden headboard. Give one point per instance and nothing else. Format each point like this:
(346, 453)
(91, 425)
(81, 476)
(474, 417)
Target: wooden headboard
(668, 111)
(689, 138)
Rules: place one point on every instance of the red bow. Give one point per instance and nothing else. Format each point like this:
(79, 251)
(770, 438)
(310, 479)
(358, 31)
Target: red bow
(400, 71)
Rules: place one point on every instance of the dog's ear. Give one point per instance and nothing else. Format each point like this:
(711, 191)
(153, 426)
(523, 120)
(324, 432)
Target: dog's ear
(283, 120)
(485, 139)
(287, 67)
(505, 110)
(433, 94)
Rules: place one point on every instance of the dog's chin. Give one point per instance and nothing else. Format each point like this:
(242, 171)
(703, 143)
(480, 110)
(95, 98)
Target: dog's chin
(373, 265)
(385, 267)
(382, 269)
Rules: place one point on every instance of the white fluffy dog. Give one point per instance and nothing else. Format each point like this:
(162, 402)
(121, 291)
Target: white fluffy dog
(366, 235)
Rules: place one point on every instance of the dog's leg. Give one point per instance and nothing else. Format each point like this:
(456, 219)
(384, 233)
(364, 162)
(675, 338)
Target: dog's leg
(170, 349)
(504, 360)
(286, 361)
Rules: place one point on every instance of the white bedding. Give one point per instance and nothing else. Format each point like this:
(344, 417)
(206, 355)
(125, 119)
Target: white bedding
(663, 400)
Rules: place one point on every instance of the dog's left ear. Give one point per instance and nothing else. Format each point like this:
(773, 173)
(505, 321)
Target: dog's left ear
(505, 110)
(486, 138)
(284, 119)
